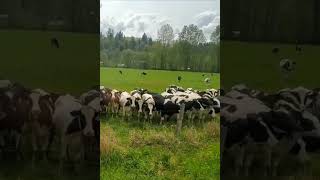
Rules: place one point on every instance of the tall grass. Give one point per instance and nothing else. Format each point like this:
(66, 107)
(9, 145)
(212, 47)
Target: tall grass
(135, 151)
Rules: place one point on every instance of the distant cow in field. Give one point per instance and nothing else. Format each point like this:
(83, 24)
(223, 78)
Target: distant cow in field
(207, 80)
(275, 50)
(298, 48)
(144, 73)
(179, 78)
(287, 65)
(55, 43)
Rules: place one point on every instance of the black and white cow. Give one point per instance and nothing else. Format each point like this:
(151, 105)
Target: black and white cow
(246, 137)
(287, 66)
(115, 101)
(126, 105)
(170, 109)
(91, 99)
(40, 122)
(293, 121)
(137, 101)
(15, 109)
(295, 116)
(105, 99)
(72, 121)
(149, 103)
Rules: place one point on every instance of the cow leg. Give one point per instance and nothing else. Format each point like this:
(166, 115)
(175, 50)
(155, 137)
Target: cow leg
(203, 117)
(302, 155)
(112, 110)
(139, 114)
(123, 113)
(113, 107)
(268, 161)
(150, 107)
(63, 152)
(130, 114)
(145, 116)
(1, 145)
(274, 168)
(213, 114)
(238, 154)
(34, 149)
(44, 149)
(18, 145)
(117, 109)
(81, 156)
(188, 113)
(247, 165)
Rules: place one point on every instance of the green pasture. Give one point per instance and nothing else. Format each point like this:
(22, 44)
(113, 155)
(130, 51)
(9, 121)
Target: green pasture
(28, 57)
(255, 65)
(155, 80)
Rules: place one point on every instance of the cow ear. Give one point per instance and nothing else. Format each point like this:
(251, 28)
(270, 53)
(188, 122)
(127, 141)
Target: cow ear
(75, 113)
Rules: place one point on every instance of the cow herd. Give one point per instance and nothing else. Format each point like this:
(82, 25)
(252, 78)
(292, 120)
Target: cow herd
(174, 102)
(264, 130)
(42, 120)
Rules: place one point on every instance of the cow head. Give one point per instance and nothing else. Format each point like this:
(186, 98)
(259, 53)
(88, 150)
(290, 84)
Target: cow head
(136, 98)
(41, 113)
(95, 104)
(22, 102)
(133, 100)
(88, 114)
(35, 108)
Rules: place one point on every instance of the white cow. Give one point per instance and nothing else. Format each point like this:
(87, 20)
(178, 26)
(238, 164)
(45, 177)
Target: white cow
(149, 101)
(71, 120)
(126, 104)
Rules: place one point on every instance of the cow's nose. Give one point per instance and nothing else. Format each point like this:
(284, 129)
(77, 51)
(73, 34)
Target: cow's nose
(35, 113)
(89, 133)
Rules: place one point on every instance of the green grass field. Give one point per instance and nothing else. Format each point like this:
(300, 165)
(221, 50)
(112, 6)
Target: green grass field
(155, 81)
(131, 150)
(256, 65)
(28, 57)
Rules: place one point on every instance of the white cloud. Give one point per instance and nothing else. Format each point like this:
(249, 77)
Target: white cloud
(207, 21)
(148, 17)
(135, 24)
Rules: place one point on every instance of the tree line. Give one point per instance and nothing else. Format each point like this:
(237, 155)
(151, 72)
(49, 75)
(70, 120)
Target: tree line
(190, 51)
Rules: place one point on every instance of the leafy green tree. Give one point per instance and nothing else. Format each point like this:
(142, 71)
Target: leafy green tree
(144, 53)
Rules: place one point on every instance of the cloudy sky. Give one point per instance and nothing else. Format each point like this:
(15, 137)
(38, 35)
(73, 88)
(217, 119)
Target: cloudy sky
(134, 17)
